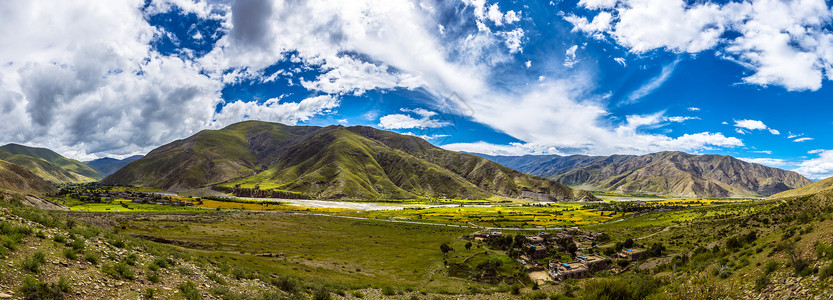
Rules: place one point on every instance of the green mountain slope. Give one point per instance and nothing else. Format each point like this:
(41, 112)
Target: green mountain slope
(824, 185)
(107, 165)
(668, 173)
(332, 162)
(49, 165)
(18, 179)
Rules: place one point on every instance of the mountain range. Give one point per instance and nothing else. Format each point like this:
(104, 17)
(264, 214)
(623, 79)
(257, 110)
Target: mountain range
(332, 162)
(666, 173)
(49, 165)
(108, 165)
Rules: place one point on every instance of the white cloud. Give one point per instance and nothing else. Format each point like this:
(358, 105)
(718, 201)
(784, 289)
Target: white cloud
(814, 151)
(570, 57)
(276, 110)
(403, 121)
(772, 162)
(741, 131)
(514, 40)
(345, 75)
(621, 61)
(652, 84)
(750, 124)
(724, 123)
(528, 64)
(774, 131)
(763, 151)
(817, 168)
(342, 121)
(804, 139)
(693, 108)
(784, 43)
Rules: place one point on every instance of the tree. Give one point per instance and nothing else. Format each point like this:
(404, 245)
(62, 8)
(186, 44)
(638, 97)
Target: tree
(445, 248)
(468, 246)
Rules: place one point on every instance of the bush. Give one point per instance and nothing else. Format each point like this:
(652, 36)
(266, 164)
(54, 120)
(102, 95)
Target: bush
(131, 259)
(118, 271)
(287, 284)
(358, 294)
(78, 244)
(33, 289)
(92, 258)
(630, 287)
(59, 239)
(388, 291)
(322, 294)
(770, 267)
(189, 290)
(153, 277)
(71, 254)
(162, 262)
(216, 278)
(32, 264)
(149, 293)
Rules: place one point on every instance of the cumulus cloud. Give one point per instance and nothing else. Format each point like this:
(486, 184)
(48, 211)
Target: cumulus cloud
(784, 43)
(94, 85)
(570, 56)
(403, 121)
(753, 125)
(804, 139)
(277, 110)
(750, 124)
(817, 168)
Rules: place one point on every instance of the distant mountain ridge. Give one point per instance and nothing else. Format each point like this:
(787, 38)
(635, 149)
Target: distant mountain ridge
(668, 173)
(49, 165)
(332, 162)
(109, 165)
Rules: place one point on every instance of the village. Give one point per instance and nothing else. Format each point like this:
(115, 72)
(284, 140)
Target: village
(569, 254)
(91, 193)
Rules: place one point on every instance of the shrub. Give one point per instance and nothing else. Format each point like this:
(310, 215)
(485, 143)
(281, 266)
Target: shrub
(189, 290)
(322, 294)
(770, 267)
(162, 262)
(131, 259)
(118, 271)
(71, 254)
(388, 291)
(153, 277)
(32, 264)
(358, 294)
(59, 239)
(78, 244)
(216, 278)
(91, 258)
(33, 289)
(287, 284)
(149, 293)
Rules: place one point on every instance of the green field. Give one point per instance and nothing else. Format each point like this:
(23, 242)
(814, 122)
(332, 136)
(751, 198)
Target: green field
(351, 253)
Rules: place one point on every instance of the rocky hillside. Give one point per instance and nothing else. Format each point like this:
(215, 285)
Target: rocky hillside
(668, 173)
(333, 162)
(49, 165)
(18, 179)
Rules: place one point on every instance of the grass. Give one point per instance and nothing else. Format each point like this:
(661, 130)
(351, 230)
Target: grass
(316, 248)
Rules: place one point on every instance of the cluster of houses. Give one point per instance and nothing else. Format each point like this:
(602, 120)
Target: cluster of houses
(580, 267)
(102, 195)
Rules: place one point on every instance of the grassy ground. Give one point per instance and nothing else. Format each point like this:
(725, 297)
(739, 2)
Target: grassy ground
(346, 252)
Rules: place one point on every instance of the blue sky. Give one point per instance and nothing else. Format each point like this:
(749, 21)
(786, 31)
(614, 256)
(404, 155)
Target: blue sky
(742, 78)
